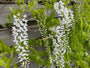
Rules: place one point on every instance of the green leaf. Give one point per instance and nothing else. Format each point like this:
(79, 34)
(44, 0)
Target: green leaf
(32, 4)
(15, 66)
(2, 63)
(18, 2)
(49, 6)
(67, 65)
(8, 65)
(40, 42)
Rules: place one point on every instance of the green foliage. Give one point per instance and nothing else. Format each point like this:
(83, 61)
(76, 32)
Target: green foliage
(4, 47)
(36, 55)
(15, 66)
(66, 1)
(5, 50)
(32, 4)
(21, 9)
(79, 37)
(49, 6)
(18, 2)
(40, 15)
(49, 1)
(51, 21)
(9, 18)
(45, 22)
(67, 65)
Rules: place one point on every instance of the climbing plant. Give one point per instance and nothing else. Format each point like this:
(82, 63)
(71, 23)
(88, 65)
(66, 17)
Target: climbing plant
(65, 38)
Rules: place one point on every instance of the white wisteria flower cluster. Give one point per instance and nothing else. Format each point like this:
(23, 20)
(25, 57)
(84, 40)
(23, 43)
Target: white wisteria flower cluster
(61, 42)
(19, 32)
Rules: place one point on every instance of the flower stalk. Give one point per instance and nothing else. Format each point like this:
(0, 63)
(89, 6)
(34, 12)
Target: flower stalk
(60, 43)
(20, 35)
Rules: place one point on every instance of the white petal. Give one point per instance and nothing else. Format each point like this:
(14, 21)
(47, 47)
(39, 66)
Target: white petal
(18, 30)
(21, 28)
(14, 16)
(18, 14)
(24, 20)
(24, 16)
(18, 25)
(22, 24)
(16, 20)
(25, 27)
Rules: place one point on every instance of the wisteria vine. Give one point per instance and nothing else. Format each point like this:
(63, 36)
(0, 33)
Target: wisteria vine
(20, 35)
(61, 42)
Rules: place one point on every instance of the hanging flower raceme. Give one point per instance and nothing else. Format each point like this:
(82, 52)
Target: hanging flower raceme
(20, 35)
(61, 42)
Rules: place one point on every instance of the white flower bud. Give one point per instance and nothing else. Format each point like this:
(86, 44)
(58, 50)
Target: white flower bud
(62, 41)
(14, 16)
(20, 35)
(18, 14)
(24, 16)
